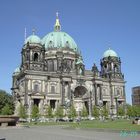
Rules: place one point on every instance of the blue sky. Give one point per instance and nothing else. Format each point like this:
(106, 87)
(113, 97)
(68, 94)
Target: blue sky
(95, 26)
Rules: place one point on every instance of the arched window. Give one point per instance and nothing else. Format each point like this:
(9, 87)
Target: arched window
(69, 63)
(36, 88)
(35, 56)
(118, 92)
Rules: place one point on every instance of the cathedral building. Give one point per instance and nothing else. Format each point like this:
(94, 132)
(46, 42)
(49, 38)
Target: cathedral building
(52, 73)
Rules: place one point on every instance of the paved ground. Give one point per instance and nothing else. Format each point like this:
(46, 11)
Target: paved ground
(59, 133)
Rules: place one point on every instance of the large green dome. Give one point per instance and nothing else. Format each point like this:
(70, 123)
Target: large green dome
(58, 39)
(110, 52)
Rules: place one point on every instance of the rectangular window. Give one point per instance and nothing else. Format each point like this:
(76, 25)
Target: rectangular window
(52, 89)
(36, 88)
(50, 65)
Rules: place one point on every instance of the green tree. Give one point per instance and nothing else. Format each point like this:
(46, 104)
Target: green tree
(120, 111)
(95, 111)
(135, 111)
(105, 111)
(22, 111)
(59, 112)
(6, 100)
(84, 112)
(35, 112)
(129, 111)
(49, 113)
(72, 112)
(6, 110)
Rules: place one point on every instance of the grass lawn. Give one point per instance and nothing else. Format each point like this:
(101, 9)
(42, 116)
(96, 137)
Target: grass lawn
(113, 125)
(96, 124)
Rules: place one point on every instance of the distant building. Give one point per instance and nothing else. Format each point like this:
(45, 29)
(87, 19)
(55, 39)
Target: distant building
(52, 72)
(136, 95)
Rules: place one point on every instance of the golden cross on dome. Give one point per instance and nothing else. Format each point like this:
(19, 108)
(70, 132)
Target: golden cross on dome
(57, 26)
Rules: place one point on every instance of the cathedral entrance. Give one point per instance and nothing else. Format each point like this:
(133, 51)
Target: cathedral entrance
(36, 102)
(52, 104)
(80, 94)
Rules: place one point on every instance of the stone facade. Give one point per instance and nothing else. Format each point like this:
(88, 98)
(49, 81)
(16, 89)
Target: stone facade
(52, 75)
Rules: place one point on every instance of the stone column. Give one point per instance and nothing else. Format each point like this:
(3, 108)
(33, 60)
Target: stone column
(30, 107)
(111, 99)
(101, 97)
(56, 104)
(95, 91)
(90, 105)
(41, 107)
(62, 92)
(26, 94)
(69, 91)
(116, 101)
(48, 102)
(58, 64)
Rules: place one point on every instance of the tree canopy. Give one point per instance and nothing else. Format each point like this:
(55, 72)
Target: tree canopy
(35, 112)
(95, 111)
(6, 103)
(132, 111)
(59, 112)
(22, 111)
(84, 112)
(72, 112)
(49, 112)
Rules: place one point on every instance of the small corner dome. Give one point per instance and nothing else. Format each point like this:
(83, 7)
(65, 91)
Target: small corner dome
(33, 39)
(59, 40)
(79, 61)
(110, 52)
(16, 71)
